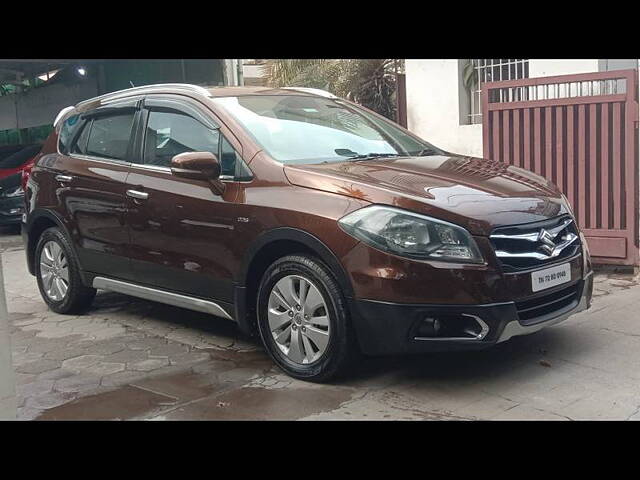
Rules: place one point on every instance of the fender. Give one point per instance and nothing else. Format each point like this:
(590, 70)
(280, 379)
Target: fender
(283, 233)
(309, 240)
(30, 242)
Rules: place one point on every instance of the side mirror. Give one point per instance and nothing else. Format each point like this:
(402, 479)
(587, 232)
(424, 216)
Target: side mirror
(196, 165)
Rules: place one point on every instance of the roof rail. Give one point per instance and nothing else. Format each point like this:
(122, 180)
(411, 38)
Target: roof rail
(315, 91)
(147, 88)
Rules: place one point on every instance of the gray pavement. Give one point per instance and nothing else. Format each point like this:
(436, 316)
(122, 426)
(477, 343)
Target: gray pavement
(131, 359)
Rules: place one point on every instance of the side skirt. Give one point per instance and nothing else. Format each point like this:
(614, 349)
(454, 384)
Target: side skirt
(162, 296)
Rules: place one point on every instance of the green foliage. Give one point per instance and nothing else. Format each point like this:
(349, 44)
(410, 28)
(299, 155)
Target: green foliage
(469, 76)
(370, 82)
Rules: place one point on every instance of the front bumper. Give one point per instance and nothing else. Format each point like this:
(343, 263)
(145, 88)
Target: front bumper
(391, 328)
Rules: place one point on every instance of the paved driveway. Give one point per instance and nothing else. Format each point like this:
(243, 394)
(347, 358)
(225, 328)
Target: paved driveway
(128, 358)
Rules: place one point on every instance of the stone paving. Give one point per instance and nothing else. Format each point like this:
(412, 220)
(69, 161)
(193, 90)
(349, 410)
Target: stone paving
(131, 359)
(121, 340)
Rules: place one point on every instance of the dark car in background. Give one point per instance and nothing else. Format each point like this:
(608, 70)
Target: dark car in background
(307, 219)
(11, 200)
(18, 160)
(14, 161)
(6, 150)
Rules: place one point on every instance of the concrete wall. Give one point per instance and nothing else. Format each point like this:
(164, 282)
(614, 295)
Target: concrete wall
(434, 99)
(253, 75)
(41, 105)
(433, 106)
(548, 67)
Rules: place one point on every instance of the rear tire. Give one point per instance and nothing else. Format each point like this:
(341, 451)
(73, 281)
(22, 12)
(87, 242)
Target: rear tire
(303, 320)
(58, 274)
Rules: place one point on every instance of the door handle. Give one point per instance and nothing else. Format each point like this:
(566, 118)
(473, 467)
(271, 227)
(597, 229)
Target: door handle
(137, 195)
(64, 178)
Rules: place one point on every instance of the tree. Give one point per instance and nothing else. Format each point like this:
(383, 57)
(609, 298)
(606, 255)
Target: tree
(370, 82)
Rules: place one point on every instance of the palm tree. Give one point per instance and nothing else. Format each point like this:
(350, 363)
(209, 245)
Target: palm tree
(370, 82)
(292, 72)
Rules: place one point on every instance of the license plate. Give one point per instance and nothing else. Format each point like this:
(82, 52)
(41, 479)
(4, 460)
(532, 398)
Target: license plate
(550, 277)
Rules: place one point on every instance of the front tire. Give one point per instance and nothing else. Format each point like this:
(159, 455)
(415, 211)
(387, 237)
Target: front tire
(58, 274)
(303, 320)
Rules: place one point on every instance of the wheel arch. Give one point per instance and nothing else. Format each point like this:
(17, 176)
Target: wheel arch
(263, 252)
(38, 222)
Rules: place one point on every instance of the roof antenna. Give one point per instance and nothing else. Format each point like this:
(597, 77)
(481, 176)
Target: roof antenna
(132, 85)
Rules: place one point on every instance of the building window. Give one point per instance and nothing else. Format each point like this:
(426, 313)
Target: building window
(489, 70)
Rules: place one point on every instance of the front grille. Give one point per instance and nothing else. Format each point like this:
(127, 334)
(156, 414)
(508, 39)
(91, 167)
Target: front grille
(522, 247)
(541, 308)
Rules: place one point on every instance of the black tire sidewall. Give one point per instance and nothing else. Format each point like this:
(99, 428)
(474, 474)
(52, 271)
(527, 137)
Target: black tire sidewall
(337, 349)
(76, 291)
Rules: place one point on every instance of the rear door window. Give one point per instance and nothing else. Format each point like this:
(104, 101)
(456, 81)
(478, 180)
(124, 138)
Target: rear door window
(109, 136)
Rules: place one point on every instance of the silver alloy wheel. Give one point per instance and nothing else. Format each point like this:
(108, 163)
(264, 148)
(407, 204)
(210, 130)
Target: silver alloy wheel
(54, 271)
(298, 319)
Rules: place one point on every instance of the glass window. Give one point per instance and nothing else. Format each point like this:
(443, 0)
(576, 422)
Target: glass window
(304, 129)
(492, 70)
(171, 133)
(66, 132)
(228, 158)
(231, 163)
(80, 145)
(109, 136)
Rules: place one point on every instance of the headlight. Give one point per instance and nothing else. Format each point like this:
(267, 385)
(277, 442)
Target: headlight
(14, 192)
(411, 235)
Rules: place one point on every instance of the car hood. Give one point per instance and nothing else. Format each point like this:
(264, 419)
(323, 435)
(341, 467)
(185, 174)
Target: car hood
(477, 194)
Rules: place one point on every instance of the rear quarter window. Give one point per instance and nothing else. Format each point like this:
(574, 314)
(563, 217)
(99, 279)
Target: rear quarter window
(69, 127)
(109, 136)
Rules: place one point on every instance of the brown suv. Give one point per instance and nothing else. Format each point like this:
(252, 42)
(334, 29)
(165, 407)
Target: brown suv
(310, 220)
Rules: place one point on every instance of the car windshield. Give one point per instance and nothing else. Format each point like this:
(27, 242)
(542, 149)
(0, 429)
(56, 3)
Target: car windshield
(306, 129)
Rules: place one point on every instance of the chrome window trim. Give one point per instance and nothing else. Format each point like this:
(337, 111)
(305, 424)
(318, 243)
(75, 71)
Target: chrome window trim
(158, 168)
(91, 158)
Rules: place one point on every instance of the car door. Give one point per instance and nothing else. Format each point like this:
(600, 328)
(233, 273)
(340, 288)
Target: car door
(181, 229)
(92, 181)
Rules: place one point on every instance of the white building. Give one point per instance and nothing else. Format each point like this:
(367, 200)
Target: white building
(253, 72)
(444, 112)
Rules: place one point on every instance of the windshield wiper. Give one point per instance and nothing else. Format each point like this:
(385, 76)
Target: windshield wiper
(373, 155)
(427, 152)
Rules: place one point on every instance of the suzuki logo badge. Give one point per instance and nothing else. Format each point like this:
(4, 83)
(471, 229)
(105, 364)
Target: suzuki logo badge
(548, 245)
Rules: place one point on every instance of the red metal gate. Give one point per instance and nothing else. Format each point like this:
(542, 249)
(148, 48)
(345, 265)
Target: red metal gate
(581, 132)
